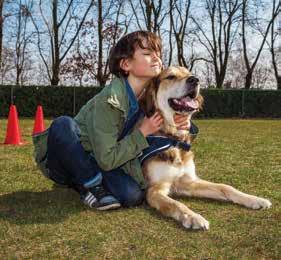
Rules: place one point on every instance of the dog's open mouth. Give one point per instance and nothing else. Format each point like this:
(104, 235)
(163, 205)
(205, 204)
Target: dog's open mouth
(186, 103)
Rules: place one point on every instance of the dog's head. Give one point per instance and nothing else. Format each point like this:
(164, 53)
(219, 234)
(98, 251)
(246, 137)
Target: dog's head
(174, 91)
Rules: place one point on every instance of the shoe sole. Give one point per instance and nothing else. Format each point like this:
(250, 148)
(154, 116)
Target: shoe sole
(111, 206)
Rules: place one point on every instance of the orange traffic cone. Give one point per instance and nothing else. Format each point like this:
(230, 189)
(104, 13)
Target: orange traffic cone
(39, 125)
(13, 135)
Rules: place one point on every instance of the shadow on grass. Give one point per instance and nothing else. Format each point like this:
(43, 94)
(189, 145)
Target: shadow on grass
(51, 206)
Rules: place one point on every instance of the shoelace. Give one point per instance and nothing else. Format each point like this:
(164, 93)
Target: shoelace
(99, 192)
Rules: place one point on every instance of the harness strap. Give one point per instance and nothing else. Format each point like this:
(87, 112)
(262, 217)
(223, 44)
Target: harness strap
(159, 144)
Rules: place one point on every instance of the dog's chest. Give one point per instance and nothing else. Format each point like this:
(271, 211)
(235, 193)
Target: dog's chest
(157, 171)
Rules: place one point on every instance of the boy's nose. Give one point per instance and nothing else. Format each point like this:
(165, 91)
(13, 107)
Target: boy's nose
(155, 55)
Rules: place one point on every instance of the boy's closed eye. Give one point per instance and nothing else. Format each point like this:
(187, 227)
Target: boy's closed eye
(151, 54)
(147, 52)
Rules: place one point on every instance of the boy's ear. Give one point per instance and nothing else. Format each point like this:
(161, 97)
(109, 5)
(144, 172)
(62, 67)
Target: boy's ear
(124, 64)
(147, 102)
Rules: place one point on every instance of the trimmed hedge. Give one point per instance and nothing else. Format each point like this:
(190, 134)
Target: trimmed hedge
(58, 101)
(241, 103)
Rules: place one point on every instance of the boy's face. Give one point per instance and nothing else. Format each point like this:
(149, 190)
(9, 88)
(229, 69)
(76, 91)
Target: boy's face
(145, 63)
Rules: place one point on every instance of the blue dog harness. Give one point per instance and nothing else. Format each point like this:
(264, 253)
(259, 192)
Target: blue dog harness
(157, 144)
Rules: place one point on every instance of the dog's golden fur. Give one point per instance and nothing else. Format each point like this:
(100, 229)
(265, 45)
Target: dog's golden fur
(172, 172)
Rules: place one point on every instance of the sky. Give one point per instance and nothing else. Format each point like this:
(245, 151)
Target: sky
(197, 9)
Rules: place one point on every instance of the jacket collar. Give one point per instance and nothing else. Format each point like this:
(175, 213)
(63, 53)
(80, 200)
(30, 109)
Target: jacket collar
(133, 102)
(123, 97)
(117, 94)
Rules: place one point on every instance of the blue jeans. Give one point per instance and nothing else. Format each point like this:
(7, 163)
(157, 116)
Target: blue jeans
(71, 165)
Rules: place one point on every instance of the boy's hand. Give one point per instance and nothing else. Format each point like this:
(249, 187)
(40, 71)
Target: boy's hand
(151, 125)
(182, 122)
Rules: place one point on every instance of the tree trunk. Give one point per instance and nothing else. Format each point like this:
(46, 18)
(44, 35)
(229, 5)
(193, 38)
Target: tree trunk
(100, 40)
(18, 76)
(102, 82)
(1, 30)
(56, 63)
(279, 83)
(219, 81)
(248, 80)
(148, 15)
(219, 77)
(55, 74)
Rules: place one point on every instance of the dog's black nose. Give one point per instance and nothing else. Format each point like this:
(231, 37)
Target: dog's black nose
(192, 80)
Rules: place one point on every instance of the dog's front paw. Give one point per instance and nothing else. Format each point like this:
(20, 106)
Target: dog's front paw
(195, 221)
(259, 203)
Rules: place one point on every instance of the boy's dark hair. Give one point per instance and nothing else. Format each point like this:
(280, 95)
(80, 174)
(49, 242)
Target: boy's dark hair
(126, 46)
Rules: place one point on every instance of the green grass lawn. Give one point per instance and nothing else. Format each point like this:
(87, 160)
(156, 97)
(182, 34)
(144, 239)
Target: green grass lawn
(39, 220)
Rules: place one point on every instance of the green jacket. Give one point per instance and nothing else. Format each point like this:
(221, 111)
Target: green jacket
(101, 121)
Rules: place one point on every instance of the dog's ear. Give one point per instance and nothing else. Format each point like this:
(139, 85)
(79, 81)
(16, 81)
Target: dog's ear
(147, 102)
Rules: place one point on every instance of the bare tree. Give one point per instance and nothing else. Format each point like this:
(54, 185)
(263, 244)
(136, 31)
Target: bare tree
(1, 29)
(236, 67)
(73, 69)
(256, 24)
(179, 30)
(3, 16)
(60, 31)
(7, 66)
(209, 75)
(260, 77)
(22, 36)
(89, 62)
(182, 33)
(222, 15)
(109, 31)
(152, 13)
(275, 50)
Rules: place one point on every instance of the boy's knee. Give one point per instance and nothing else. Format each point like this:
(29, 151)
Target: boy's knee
(65, 124)
(63, 121)
(134, 198)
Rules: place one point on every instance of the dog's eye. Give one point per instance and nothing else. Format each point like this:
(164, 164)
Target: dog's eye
(171, 77)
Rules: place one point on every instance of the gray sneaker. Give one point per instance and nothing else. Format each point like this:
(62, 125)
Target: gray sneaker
(97, 197)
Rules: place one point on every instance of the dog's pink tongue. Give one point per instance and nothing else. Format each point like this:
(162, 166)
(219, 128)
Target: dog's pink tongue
(187, 101)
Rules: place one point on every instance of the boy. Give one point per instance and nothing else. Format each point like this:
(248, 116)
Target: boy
(96, 153)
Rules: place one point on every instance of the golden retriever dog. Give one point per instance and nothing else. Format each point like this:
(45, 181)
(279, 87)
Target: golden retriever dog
(172, 172)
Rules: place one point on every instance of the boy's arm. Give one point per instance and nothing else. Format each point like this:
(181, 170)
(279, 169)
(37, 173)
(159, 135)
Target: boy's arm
(103, 126)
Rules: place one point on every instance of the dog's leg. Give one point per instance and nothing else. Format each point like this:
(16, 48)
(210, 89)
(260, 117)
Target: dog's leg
(157, 197)
(205, 189)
